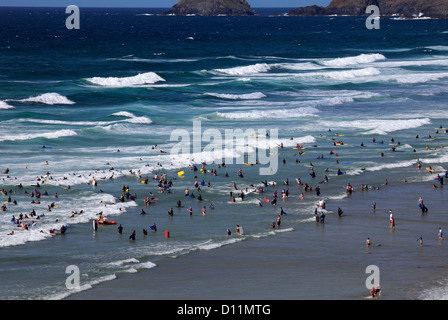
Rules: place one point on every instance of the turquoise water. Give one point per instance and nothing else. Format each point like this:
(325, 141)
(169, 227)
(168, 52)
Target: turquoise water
(129, 77)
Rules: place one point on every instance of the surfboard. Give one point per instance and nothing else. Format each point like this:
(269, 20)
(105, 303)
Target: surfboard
(299, 148)
(430, 139)
(430, 170)
(95, 225)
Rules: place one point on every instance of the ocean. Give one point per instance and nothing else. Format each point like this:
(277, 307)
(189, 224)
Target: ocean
(87, 114)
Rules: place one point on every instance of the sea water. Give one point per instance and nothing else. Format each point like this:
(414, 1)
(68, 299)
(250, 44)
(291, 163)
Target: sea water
(104, 100)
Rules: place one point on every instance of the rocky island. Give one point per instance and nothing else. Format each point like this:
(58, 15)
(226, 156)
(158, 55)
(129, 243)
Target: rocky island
(401, 8)
(212, 8)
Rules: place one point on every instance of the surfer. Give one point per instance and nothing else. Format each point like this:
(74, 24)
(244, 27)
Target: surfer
(132, 236)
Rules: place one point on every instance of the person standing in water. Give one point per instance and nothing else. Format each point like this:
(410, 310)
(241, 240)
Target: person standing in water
(391, 220)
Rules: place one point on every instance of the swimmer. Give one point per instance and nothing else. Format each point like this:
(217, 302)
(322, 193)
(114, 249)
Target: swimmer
(375, 291)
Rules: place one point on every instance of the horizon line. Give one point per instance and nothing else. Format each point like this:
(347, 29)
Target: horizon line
(106, 7)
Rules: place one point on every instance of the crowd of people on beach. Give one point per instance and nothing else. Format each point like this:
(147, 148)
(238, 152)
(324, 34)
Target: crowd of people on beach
(165, 186)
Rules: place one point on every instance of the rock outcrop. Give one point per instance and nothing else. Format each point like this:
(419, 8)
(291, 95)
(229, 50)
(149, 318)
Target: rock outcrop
(212, 7)
(403, 8)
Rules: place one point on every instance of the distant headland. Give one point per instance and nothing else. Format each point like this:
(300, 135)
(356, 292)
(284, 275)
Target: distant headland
(400, 8)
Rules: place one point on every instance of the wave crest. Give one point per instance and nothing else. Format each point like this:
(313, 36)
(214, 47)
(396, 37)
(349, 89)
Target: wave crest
(140, 79)
(245, 70)
(50, 98)
(246, 96)
(348, 61)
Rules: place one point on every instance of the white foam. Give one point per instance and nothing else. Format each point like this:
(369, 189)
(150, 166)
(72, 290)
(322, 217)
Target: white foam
(351, 74)
(407, 63)
(214, 245)
(246, 96)
(287, 143)
(47, 135)
(379, 126)
(439, 48)
(266, 114)
(245, 70)
(50, 98)
(90, 204)
(140, 79)
(437, 291)
(348, 61)
(63, 122)
(123, 262)
(403, 164)
(4, 105)
(66, 293)
(420, 78)
(132, 118)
